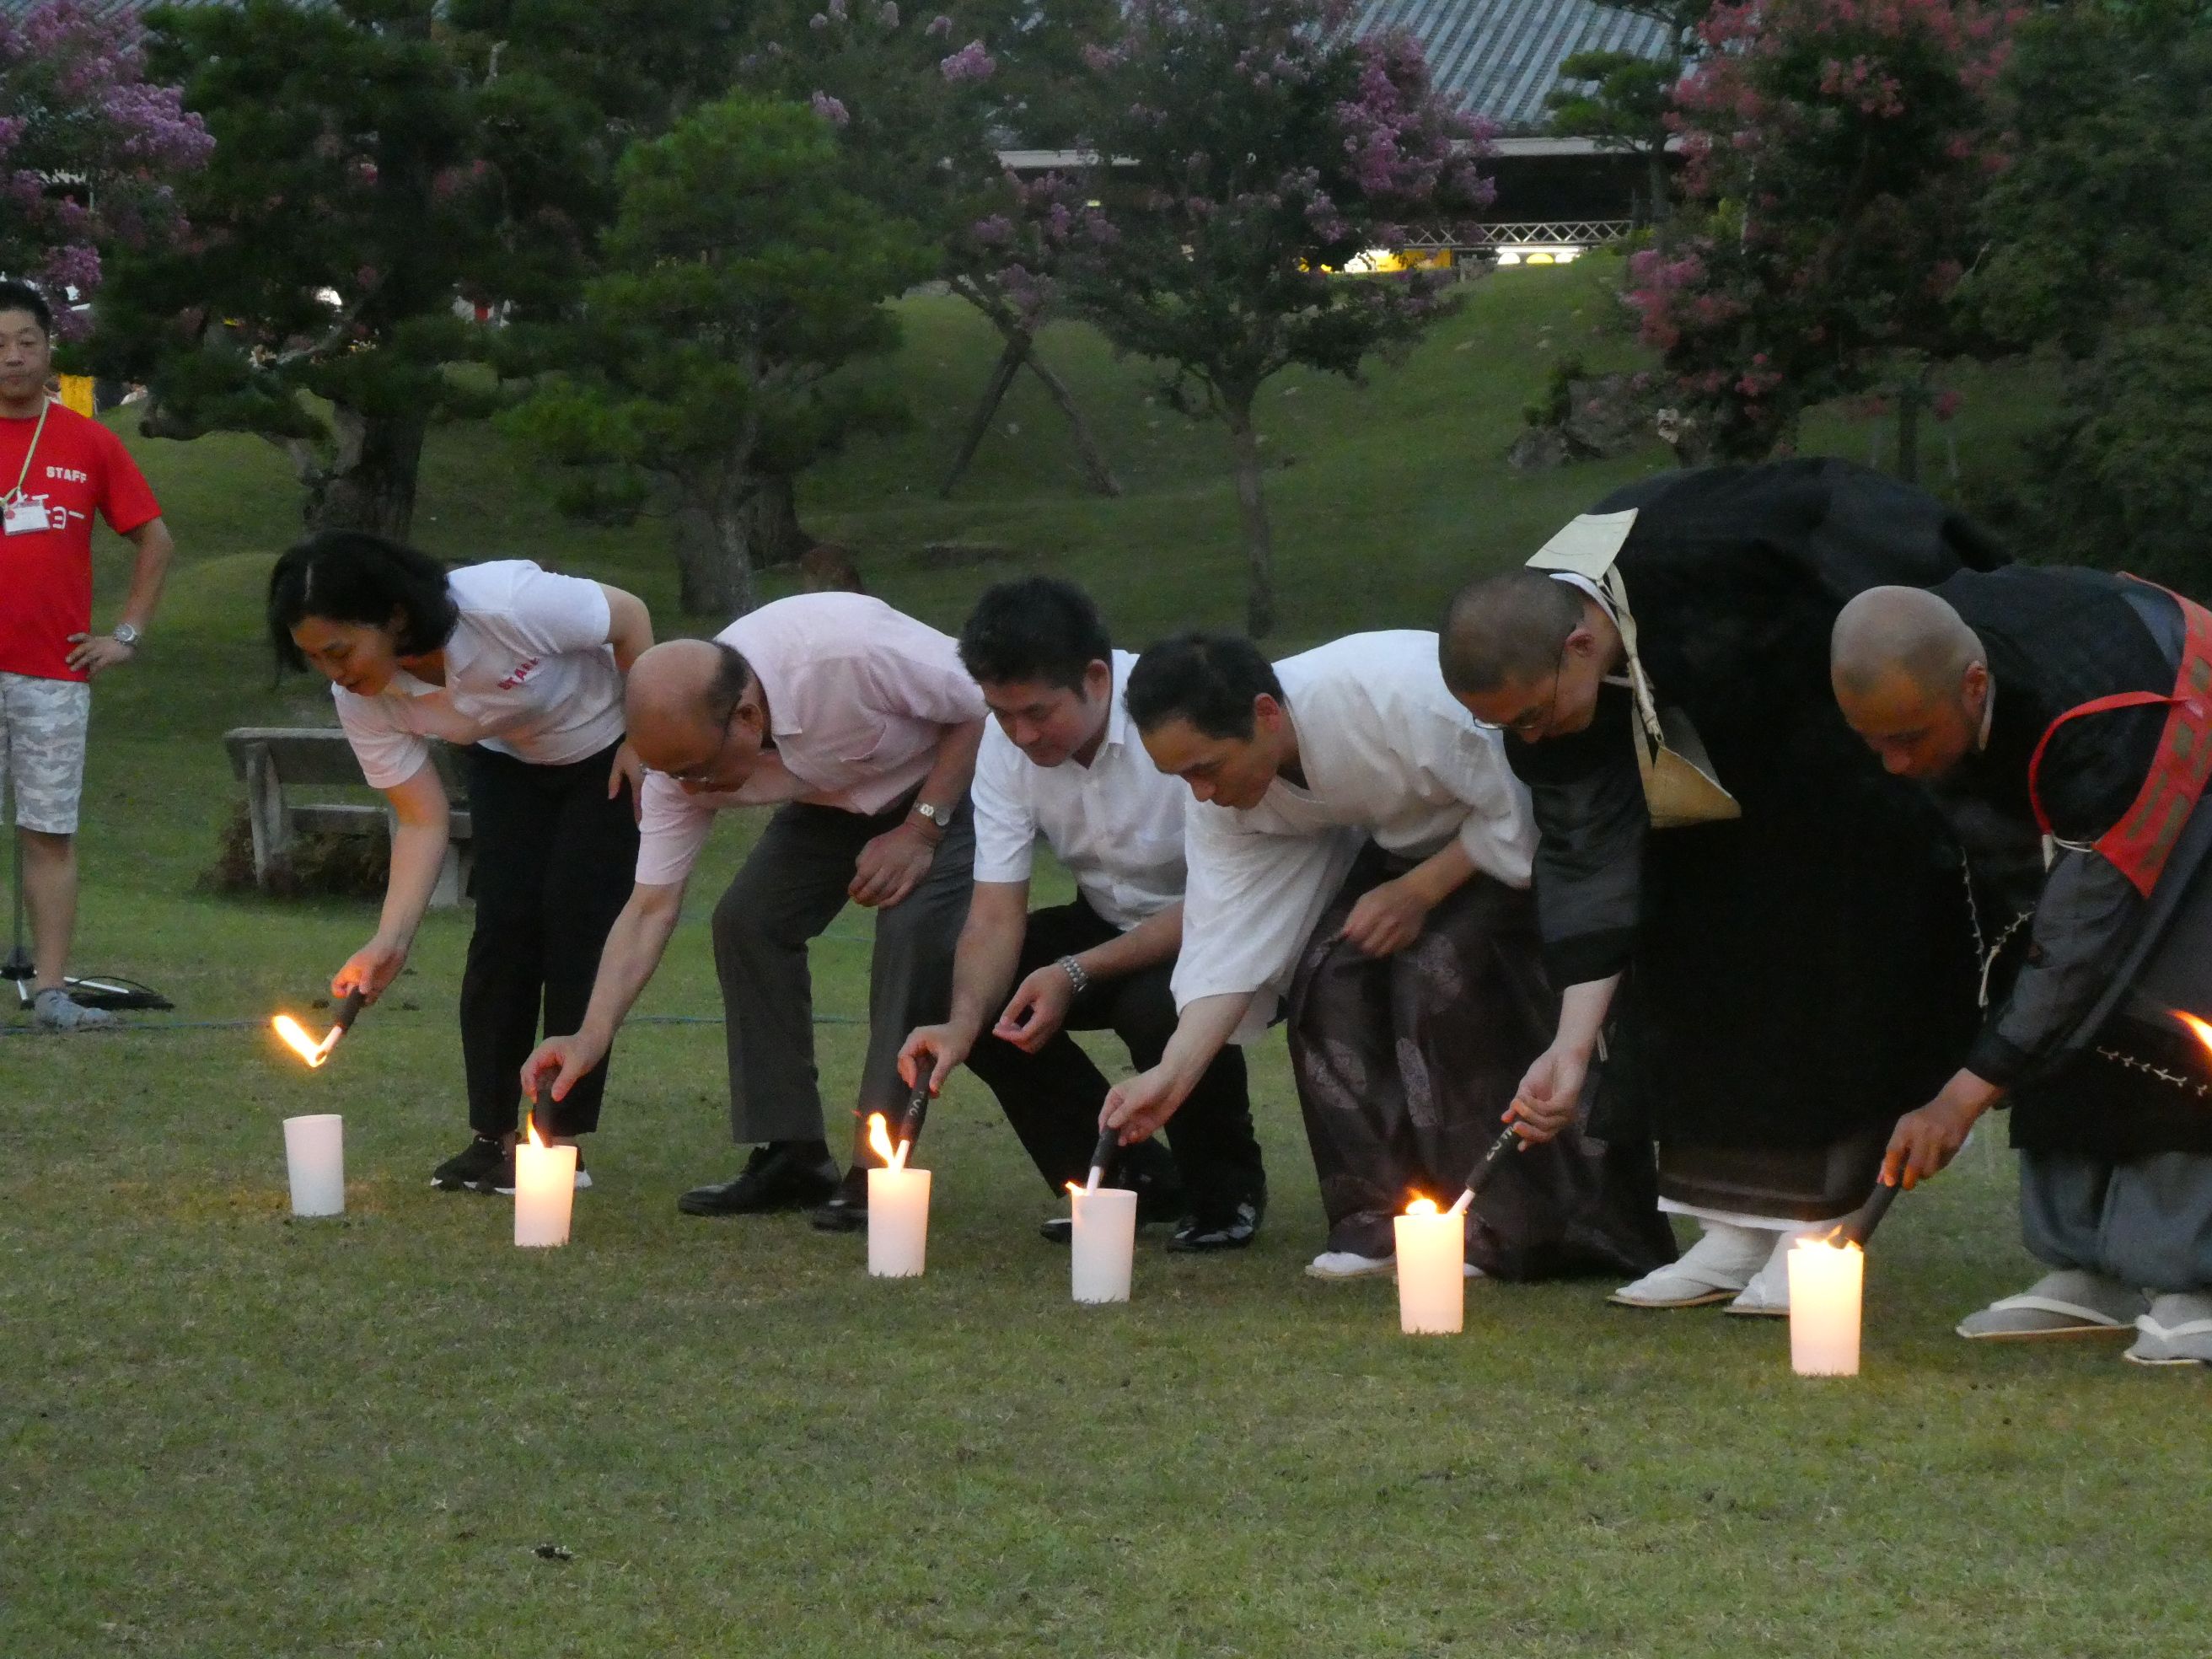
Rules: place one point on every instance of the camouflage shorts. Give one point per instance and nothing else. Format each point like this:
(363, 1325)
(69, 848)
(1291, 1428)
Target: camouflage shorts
(42, 727)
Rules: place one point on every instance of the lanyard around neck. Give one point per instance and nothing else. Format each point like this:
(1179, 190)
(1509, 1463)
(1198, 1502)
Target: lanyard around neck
(37, 432)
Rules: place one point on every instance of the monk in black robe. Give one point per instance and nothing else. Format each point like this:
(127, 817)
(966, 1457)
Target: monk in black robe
(2064, 719)
(1785, 925)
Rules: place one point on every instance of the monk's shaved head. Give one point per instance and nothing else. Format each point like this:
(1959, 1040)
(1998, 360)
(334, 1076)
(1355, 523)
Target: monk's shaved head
(1911, 679)
(1506, 629)
(679, 702)
(1900, 631)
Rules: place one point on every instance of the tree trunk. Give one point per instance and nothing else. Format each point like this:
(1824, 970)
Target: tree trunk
(1661, 183)
(733, 549)
(772, 527)
(1912, 397)
(702, 588)
(1252, 507)
(368, 482)
(1086, 447)
(994, 392)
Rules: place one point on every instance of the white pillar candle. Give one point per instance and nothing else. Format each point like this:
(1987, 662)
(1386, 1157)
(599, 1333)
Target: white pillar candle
(1824, 1281)
(545, 1194)
(898, 1222)
(1431, 1270)
(314, 1156)
(1104, 1244)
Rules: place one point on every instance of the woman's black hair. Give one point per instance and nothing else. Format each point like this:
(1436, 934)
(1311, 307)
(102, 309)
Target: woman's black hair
(358, 576)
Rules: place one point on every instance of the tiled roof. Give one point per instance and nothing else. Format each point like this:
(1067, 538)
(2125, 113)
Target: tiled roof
(1499, 58)
(1493, 58)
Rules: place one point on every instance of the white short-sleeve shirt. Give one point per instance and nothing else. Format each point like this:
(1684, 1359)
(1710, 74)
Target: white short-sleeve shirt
(1388, 756)
(858, 698)
(528, 673)
(1115, 824)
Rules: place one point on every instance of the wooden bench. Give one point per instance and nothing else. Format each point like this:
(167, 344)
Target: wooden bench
(278, 762)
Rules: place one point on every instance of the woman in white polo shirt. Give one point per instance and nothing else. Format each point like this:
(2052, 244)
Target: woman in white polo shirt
(526, 669)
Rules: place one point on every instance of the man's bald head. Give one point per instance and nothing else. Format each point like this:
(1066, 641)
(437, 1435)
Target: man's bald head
(685, 704)
(1526, 654)
(1910, 678)
(1507, 628)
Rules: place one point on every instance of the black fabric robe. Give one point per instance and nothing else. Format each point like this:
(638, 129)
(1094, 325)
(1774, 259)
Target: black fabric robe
(1799, 977)
(2092, 1068)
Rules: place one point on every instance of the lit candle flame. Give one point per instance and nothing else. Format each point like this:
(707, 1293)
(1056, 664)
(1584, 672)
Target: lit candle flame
(530, 1129)
(1830, 1241)
(879, 1143)
(2197, 1028)
(294, 1036)
(1421, 1205)
(1076, 1189)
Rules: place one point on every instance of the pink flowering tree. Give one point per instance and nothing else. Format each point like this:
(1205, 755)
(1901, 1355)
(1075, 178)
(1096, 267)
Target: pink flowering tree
(90, 151)
(1247, 152)
(1835, 152)
(923, 99)
(367, 191)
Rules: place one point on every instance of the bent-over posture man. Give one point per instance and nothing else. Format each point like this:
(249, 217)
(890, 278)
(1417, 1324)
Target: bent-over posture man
(2071, 708)
(862, 724)
(56, 470)
(1786, 926)
(1359, 851)
(1060, 764)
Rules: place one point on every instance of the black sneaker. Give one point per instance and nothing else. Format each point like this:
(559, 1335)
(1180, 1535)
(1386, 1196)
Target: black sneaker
(501, 1182)
(1211, 1229)
(847, 1209)
(783, 1175)
(479, 1161)
(1057, 1229)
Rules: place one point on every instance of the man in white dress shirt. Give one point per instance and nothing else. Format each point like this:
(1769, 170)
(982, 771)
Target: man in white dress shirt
(1062, 764)
(1359, 851)
(859, 726)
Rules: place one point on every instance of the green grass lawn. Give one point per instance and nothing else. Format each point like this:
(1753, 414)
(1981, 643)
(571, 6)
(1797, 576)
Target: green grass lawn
(226, 1433)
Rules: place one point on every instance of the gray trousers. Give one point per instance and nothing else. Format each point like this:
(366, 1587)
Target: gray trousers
(790, 889)
(2147, 1222)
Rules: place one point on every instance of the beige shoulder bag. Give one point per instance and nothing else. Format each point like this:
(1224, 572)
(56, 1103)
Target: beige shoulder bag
(1678, 785)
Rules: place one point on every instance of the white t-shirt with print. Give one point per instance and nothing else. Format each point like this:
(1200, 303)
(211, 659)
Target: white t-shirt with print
(528, 673)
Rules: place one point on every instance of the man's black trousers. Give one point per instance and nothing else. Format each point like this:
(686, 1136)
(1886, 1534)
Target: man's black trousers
(1053, 1097)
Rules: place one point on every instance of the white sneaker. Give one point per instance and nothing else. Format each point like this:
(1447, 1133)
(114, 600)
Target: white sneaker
(1714, 1269)
(55, 1010)
(1346, 1264)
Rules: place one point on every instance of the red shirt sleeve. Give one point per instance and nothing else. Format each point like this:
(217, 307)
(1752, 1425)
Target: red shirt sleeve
(126, 499)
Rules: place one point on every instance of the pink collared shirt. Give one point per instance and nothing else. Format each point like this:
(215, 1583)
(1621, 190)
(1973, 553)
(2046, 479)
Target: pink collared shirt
(858, 698)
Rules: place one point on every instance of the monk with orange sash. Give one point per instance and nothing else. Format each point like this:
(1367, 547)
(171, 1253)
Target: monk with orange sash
(2063, 720)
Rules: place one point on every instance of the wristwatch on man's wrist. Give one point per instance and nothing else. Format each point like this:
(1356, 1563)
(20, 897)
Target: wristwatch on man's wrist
(938, 819)
(127, 634)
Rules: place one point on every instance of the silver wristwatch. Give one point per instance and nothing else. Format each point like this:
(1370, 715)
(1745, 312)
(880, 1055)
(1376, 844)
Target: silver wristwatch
(939, 818)
(125, 634)
(1077, 975)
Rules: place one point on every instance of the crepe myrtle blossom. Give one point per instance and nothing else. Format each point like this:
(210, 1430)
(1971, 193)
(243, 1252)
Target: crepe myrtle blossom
(72, 79)
(970, 63)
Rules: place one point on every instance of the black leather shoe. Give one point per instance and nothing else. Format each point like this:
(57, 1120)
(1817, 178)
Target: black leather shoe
(847, 1210)
(783, 1175)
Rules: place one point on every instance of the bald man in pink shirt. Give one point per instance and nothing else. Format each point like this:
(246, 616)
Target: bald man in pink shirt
(859, 726)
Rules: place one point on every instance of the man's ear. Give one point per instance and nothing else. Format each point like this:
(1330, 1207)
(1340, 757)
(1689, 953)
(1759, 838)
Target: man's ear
(1097, 681)
(1267, 713)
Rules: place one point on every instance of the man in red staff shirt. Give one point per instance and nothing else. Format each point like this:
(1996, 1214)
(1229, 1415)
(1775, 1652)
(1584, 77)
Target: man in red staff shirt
(57, 469)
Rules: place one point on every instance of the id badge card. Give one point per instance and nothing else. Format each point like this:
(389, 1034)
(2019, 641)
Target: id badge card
(25, 517)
